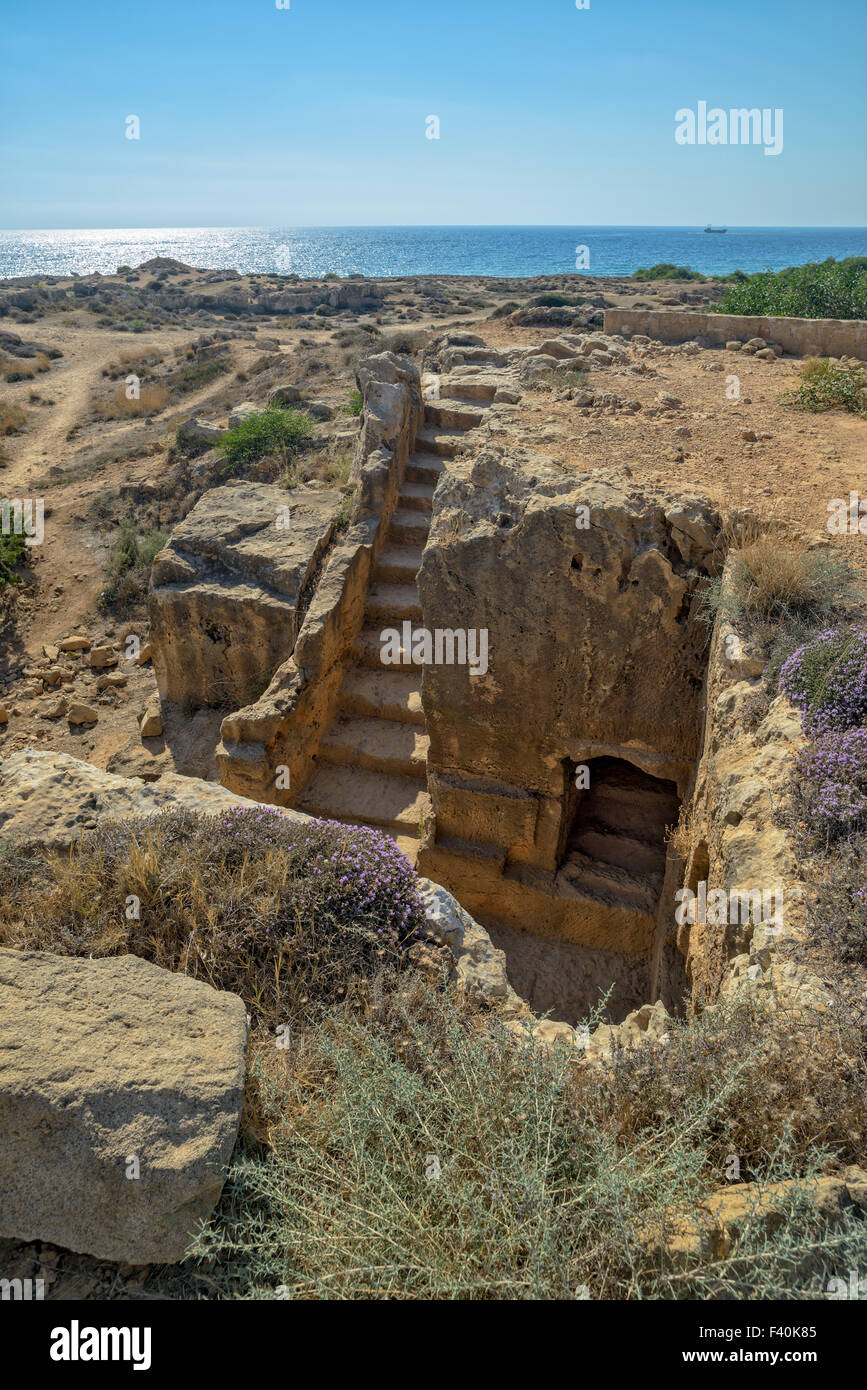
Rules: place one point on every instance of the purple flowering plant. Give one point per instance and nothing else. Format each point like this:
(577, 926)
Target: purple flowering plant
(826, 678)
(289, 913)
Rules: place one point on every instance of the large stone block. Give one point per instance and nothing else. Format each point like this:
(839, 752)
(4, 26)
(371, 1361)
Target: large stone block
(120, 1097)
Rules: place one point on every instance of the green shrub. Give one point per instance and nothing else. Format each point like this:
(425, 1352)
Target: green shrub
(408, 1153)
(825, 385)
(12, 555)
(552, 300)
(665, 270)
(274, 431)
(828, 289)
(356, 403)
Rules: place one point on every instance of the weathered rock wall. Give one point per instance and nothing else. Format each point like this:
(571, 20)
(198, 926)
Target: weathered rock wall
(801, 337)
(268, 748)
(738, 836)
(594, 650)
(50, 799)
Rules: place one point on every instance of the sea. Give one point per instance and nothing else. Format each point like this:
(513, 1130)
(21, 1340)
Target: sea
(395, 251)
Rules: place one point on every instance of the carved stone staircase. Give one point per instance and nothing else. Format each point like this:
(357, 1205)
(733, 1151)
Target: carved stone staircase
(372, 761)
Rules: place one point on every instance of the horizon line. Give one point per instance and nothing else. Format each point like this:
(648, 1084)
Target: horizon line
(448, 226)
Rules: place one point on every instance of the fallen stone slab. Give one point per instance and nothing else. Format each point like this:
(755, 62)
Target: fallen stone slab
(120, 1097)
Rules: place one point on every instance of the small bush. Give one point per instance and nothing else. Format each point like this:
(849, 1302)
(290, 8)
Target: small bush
(552, 300)
(839, 908)
(665, 270)
(12, 418)
(826, 679)
(264, 364)
(778, 580)
(195, 375)
(274, 431)
(412, 1153)
(356, 403)
(406, 341)
(133, 362)
(23, 368)
(826, 385)
(128, 570)
(150, 401)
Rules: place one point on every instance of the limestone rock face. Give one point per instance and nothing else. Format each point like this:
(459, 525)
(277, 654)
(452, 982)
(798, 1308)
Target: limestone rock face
(51, 798)
(392, 413)
(227, 590)
(105, 1065)
(740, 841)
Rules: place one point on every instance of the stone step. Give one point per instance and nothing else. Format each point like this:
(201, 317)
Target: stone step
(390, 603)
(609, 846)
(453, 414)
(407, 844)
(367, 651)
(357, 797)
(377, 745)
(470, 387)
(398, 564)
(416, 497)
(408, 528)
(390, 693)
(424, 468)
(611, 884)
(438, 441)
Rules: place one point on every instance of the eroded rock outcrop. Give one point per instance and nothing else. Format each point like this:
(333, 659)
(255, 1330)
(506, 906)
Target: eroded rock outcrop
(50, 799)
(228, 590)
(739, 839)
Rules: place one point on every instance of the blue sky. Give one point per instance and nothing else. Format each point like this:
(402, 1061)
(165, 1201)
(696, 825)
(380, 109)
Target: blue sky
(315, 115)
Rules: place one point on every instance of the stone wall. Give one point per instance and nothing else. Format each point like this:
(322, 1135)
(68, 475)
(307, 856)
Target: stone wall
(267, 749)
(801, 337)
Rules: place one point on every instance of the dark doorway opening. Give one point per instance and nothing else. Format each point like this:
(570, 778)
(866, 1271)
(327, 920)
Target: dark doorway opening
(614, 831)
